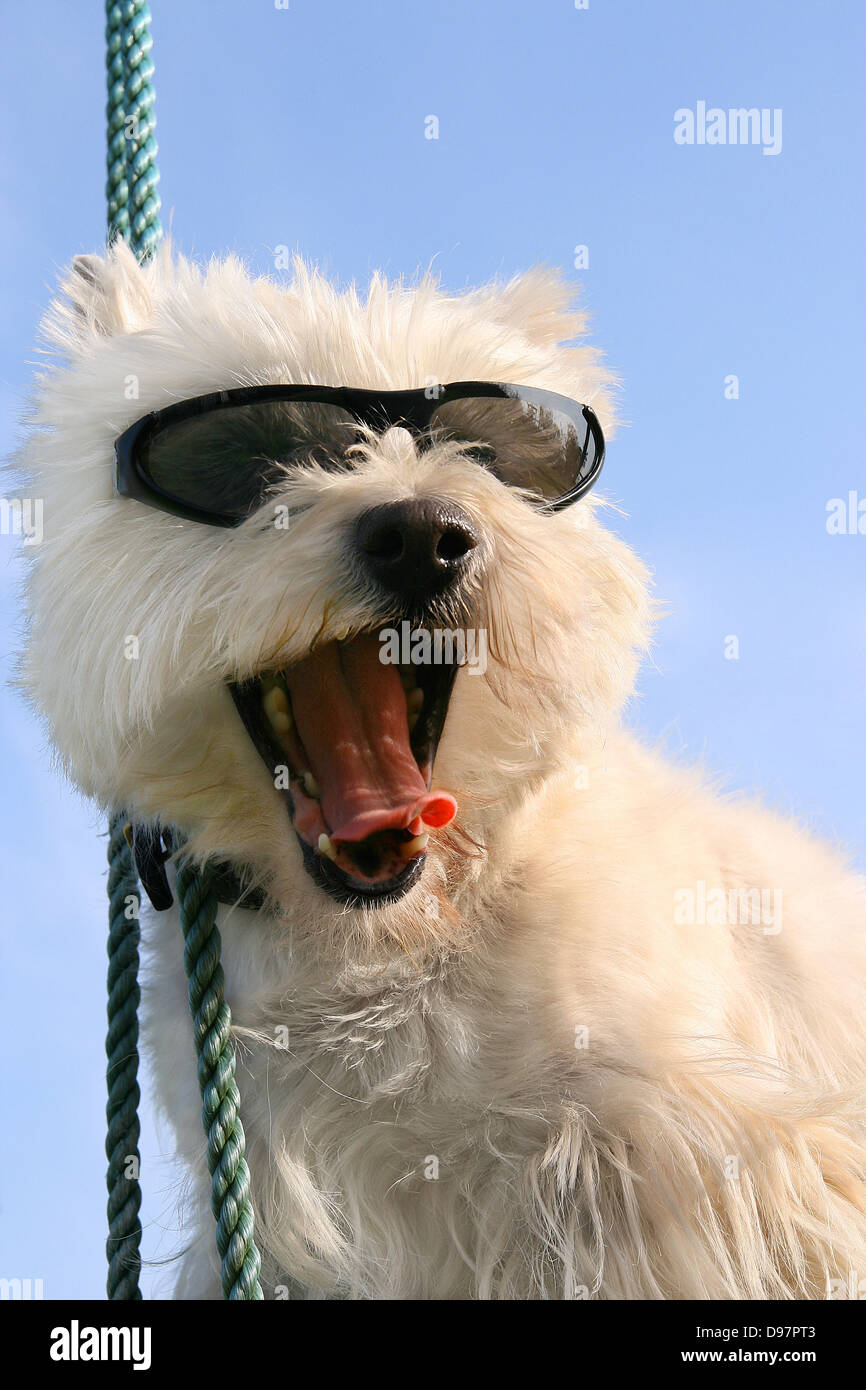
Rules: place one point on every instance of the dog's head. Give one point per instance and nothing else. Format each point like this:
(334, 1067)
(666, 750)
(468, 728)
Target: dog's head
(268, 687)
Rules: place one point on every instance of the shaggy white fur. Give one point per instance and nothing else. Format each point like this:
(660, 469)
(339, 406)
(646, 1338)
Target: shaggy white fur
(557, 1067)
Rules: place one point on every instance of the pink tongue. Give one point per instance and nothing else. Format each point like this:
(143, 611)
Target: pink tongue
(350, 713)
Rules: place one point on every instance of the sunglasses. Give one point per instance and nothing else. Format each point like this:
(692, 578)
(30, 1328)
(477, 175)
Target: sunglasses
(218, 458)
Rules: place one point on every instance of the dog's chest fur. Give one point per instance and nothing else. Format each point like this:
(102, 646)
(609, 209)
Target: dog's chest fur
(387, 1114)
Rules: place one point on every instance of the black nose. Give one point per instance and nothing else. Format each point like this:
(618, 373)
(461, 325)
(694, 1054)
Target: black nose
(416, 548)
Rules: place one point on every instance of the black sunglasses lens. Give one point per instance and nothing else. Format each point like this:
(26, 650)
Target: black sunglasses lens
(227, 460)
(536, 440)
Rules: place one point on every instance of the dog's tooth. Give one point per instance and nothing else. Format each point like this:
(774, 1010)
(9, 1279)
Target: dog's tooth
(326, 847)
(414, 701)
(276, 707)
(413, 720)
(311, 786)
(409, 848)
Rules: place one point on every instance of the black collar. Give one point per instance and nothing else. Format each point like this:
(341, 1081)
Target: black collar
(151, 849)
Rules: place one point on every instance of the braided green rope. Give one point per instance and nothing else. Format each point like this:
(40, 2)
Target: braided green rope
(133, 202)
(131, 172)
(230, 1178)
(121, 1046)
(133, 215)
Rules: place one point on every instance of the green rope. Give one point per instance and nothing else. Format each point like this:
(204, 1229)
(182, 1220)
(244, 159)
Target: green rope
(133, 215)
(130, 138)
(230, 1178)
(133, 202)
(121, 1046)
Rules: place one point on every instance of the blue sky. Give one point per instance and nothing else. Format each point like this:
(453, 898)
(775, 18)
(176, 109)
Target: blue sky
(306, 128)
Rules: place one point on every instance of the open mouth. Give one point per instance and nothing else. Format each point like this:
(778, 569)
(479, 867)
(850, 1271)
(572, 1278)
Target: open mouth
(350, 742)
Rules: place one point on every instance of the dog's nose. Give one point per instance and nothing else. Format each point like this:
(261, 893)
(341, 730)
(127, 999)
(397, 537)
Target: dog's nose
(416, 548)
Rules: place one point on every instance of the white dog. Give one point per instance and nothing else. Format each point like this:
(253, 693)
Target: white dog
(545, 1019)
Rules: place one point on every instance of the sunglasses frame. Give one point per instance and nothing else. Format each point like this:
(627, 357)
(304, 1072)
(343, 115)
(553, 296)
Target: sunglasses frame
(413, 409)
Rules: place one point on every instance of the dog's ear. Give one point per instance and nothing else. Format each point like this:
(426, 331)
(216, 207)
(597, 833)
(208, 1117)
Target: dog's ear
(538, 303)
(108, 294)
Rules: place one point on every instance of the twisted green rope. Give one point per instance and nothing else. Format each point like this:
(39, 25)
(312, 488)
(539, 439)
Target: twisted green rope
(131, 160)
(121, 1046)
(133, 202)
(230, 1178)
(133, 215)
